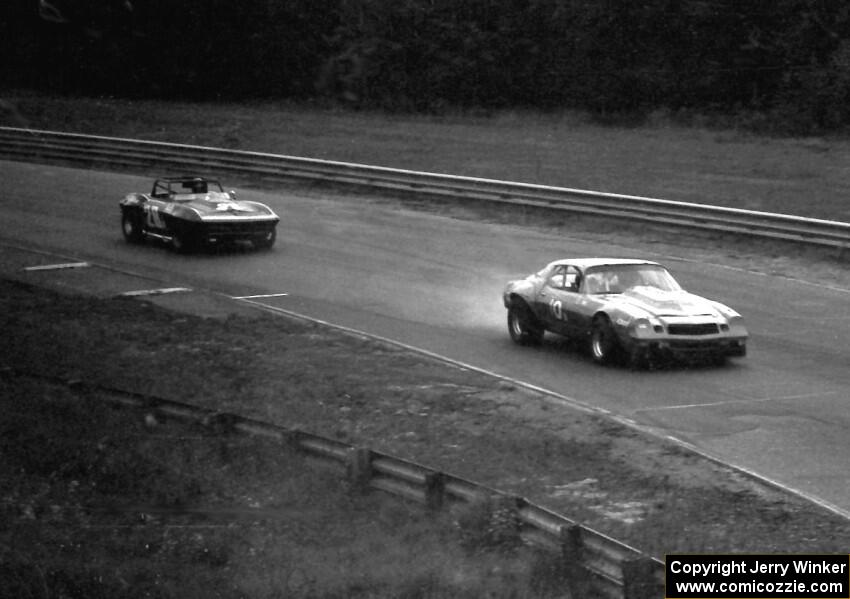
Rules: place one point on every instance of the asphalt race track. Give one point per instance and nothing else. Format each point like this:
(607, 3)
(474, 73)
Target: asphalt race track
(434, 283)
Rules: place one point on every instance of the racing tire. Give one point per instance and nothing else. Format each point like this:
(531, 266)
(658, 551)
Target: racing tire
(131, 227)
(266, 240)
(181, 243)
(640, 359)
(604, 344)
(523, 326)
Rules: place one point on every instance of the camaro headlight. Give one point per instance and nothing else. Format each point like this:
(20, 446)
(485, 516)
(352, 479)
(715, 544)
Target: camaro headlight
(736, 321)
(642, 326)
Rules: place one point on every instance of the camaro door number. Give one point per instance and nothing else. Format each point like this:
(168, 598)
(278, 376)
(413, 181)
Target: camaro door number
(557, 310)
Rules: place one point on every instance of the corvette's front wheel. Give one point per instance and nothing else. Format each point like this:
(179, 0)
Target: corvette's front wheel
(182, 243)
(266, 240)
(131, 228)
(523, 327)
(604, 345)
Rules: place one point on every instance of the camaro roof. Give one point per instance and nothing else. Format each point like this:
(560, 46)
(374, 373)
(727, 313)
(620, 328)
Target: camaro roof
(186, 179)
(584, 263)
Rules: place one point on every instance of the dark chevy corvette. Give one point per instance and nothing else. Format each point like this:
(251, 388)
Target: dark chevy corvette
(626, 310)
(190, 212)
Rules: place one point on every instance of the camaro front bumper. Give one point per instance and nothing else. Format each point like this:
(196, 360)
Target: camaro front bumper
(733, 347)
(686, 338)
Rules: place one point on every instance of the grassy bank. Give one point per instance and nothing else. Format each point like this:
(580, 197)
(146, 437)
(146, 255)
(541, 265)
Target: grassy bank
(103, 503)
(807, 177)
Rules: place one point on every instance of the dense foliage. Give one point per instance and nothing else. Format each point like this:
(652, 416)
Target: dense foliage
(786, 59)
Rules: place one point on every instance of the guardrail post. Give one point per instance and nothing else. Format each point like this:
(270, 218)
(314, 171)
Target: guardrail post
(639, 579)
(220, 423)
(358, 466)
(434, 490)
(572, 554)
(504, 524)
(292, 437)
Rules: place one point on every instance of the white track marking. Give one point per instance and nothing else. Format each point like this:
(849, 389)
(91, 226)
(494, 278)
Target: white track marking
(736, 401)
(58, 266)
(247, 297)
(154, 291)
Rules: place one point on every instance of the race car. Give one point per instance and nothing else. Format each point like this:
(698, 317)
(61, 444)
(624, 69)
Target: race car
(624, 310)
(191, 212)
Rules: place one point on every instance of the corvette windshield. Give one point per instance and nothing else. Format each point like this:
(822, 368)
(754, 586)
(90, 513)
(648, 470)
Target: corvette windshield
(621, 277)
(198, 187)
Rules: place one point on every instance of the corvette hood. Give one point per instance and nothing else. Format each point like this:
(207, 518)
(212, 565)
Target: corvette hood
(658, 302)
(212, 205)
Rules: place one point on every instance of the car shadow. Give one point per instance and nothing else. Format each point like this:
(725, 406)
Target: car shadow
(580, 352)
(210, 249)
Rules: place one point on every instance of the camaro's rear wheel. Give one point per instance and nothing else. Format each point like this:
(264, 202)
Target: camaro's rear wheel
(131, 228)
(523, 326)
(604, 345)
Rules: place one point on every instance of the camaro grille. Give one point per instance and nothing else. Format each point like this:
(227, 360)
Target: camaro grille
(704, 328)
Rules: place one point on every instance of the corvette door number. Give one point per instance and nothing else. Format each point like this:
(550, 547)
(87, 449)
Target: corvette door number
(557, 310)
(154, 218)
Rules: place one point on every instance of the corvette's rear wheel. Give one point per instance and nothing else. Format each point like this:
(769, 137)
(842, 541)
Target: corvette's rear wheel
(131, 227)
(604, 345)
(523, 326)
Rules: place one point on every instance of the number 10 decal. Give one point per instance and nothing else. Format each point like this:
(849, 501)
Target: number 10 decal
(557, 309)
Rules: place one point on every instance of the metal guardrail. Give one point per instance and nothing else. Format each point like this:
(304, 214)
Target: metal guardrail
(108, 152)
(591, 560)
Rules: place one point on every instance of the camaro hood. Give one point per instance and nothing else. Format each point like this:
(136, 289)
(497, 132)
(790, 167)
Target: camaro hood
(658, 302)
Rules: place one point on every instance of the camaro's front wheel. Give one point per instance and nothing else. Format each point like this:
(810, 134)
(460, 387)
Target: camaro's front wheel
(522, 326)
(131, 228)
(604, 345)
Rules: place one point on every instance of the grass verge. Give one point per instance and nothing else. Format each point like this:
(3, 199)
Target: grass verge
(805, 176)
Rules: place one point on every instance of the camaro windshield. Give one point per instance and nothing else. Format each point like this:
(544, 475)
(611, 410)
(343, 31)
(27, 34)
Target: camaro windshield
(621, 277)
